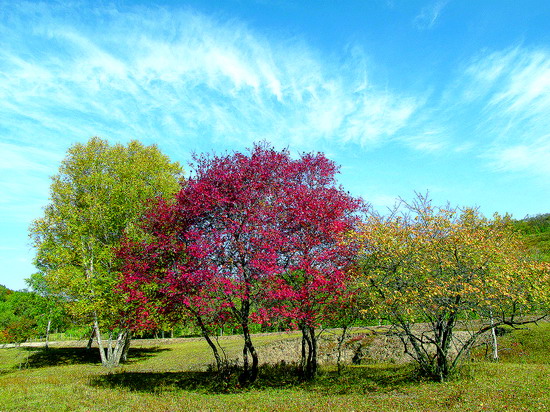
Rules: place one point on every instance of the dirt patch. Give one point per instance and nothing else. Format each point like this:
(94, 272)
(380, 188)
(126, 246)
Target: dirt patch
(360, 347)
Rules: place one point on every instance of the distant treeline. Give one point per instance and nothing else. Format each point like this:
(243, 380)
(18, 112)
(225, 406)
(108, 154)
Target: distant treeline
(25, 315)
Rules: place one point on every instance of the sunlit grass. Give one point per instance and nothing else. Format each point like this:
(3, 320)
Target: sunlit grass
(172, 378)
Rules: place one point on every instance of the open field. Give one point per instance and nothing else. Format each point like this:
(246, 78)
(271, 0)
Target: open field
(170, 376)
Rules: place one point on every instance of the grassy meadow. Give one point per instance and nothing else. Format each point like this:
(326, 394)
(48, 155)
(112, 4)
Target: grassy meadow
(166, 376)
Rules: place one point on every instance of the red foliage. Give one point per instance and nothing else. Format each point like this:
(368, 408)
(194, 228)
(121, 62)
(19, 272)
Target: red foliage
(246, 231)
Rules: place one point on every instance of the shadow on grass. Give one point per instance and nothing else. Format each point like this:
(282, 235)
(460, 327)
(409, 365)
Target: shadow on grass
(353, 380)
(371, 378)
(39, 358)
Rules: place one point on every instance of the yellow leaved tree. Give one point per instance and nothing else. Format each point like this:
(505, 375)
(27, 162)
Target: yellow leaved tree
(444, 276)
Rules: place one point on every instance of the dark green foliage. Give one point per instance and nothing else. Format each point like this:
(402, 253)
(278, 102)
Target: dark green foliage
(19, 312)
(25, 314)
(534, 224)
(4, 292)
(18, 330)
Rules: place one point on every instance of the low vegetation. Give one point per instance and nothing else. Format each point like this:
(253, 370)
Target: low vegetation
(536, 233)
(173, 376)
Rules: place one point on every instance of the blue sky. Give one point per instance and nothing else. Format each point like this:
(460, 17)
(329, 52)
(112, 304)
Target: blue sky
(447, 96)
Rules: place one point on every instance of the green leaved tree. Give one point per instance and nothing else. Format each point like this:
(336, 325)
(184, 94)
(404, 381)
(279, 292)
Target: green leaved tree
(52, 309)
(97, 196)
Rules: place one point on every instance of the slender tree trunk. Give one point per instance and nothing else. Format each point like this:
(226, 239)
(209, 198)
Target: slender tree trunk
(126, 348)
(245, 361)
(100, 344)
(303, 358)
(314, 364)
(249, 374)
(309, 362)
(494, 339)
(118, 349)
(441, 355)
(91, 339)
(111, 355)
(206, 336)
(110, 348)
(341, 340)
(48, 332)
(442, 370)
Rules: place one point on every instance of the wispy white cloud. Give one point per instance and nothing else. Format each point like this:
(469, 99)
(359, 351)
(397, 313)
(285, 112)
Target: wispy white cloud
(512, 90)
(179, 79)
(29, 159)
(428, 16)
(198, 77)
(430, 140)
(494, 109)
(531, 157)
(182, 78)
(517, 80)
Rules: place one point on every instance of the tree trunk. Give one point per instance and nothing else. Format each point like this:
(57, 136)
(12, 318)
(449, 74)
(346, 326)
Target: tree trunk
(110, 348)
(100, 344)
(494, 339)
(91, 339)
(111, 355)
(48, 332)
(117, 351)
(126, 348)
(303, 358)
(249, 374)
(440, 337)
(309, 367)
(206, 336)
(341, 340)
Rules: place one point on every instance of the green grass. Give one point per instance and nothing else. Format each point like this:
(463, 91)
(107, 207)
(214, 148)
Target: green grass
(171, 378)
(531, 345)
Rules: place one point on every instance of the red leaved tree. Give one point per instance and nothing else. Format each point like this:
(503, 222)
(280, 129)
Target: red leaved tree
(314, 214)
(247, 230)
(161, 283)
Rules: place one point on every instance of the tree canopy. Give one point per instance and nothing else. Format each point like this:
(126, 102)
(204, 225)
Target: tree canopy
(25, 314)
(445, 266)
(98, 194)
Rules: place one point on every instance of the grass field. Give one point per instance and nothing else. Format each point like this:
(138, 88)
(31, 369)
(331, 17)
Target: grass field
(171, 377)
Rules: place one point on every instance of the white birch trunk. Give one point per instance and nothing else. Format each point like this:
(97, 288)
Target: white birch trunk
(48, 332)
(494, 339)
